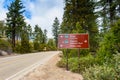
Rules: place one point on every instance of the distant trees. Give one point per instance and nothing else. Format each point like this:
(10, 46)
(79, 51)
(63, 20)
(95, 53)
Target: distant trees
(2, 29)
(56, 30)
(45, 36)
(51, 44)
(40, 38)
(20, 33)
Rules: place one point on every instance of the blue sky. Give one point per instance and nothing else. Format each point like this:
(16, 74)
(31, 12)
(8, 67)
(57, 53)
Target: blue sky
(41, 12)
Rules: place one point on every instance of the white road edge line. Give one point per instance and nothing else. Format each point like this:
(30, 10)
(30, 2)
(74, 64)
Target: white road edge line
(27, 70)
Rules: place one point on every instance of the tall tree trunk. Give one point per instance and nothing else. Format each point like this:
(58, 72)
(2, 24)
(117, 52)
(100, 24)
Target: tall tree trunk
(13, 37)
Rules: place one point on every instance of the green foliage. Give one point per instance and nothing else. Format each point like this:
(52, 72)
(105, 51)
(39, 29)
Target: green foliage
(73, 64)
(62, 63)
(39, 47)
(45, 36)
(116, 31)
(40, 38)
(36, 45)
(25, 47)
(38, 35)
(79, 17)
(78, 11)
(111, 8)
(17, 48)
(109, 44)
(107, 71)
(85, 62)
(51, 45)
(5, 45)
(74, 53)
(106, 48)
(115, 62)
(42, 47)
(99, 73)
(55, 30)
(15, 20)
(2, 29)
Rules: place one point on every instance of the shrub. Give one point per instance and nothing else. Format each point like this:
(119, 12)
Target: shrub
(51, 48)
(73, 64)
(116, 65)
(36, 45)
(108, 71)
(5, 45)
(107, 49)
(62, 63)
(25, 46)
(17, 48)
(85, 62)
(103, 72)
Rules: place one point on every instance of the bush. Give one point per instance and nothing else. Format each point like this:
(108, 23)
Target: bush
(62, 63)
(108, 71)
(24, 48)
(5, 45)
(116, 65)
(51, 48)
(99, 73)
(36, 45)
(84, 62)
(73, 64)
(17, 48)
(107, 49)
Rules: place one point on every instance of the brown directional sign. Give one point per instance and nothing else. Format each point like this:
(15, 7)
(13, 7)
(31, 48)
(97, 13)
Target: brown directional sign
(73, 41)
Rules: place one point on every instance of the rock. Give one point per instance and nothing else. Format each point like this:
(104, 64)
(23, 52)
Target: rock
(3, 53)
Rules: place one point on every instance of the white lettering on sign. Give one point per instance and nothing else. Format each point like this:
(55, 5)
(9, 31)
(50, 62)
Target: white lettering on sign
(71, 36)
(85, 41)
(73, 41)
(61, 36)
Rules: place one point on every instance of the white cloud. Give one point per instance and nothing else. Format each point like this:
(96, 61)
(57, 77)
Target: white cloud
(44, 16)
(2, 11)
(43, 12)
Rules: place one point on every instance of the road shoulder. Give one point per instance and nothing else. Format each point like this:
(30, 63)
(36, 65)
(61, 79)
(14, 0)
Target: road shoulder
(49, 71)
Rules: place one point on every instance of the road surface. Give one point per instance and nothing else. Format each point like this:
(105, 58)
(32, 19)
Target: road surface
(11, 67)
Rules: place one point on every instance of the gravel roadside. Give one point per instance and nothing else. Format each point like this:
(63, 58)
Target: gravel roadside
(49, 71)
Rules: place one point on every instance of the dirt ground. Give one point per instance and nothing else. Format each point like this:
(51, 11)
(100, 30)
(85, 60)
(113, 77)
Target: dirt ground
(50, 71)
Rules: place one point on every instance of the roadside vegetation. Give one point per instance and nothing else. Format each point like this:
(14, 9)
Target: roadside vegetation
(101, 20)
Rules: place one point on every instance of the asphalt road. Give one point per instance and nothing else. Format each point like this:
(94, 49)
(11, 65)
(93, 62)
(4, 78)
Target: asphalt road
(14, 66)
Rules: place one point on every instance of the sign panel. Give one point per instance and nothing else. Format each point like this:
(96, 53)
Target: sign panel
(73, 41)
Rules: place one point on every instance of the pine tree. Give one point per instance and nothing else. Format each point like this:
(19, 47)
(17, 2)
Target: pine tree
(80, 13)
(109, 13)
(55, 30)
(29, 30)
(38, 33)
(15, 20)
(45, 36)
